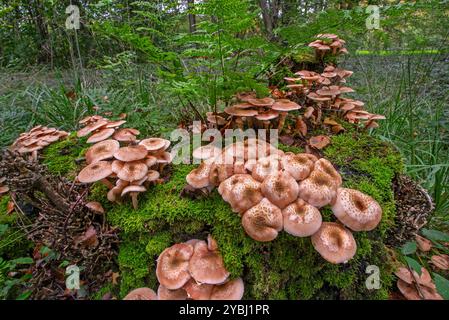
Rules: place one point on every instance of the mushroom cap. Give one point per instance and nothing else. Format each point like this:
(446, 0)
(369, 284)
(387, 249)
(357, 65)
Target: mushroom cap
(133, 188)
(298, 165)
(95, 172)
(234, 111)
(126, 134)
(154, 144)
(102, 150)
(214, 118)
(199, 177)
(101, 135)
(132, 171)
(334, 242)
(198, 291)
(267, 115)
(326, 166)
(172, 269)
(95, 207)
(91, 127)
(153, 175)
(263, 102)
(280, 188)
(206, 266)
(141, 294)
(219, 172)
(115, 124)
(285, 105)
(150, 161)
(164, 157)
(263, 221)
(318, 189)
(4, 189)
(230, 290)
(266, 166)
(301, 219)
(356, 210)
(315, 97)
(166, 294)
(206, 152)
(241, 191)
(131, 153)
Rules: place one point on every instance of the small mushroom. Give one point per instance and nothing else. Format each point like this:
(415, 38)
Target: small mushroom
(230, 290)
(141, 294)
(298, 166)
(199, 178)
(241, 191)
(172, 269)
(95, 207)
(97, 171)
(263, 221)
(166, 294)
(101, 151)
(280, 188)
(198, 291)
(206, 266)
(284, 106)
(101, 135)
(318, 189)
(133, 191)
(265, 167)
(131, 153)
(91, 127)
(301, 219)
(126, 135)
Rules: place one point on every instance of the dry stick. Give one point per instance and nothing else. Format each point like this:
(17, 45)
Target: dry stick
(415, 283)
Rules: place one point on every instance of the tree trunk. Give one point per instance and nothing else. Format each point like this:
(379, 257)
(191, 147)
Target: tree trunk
(266, 16)
(192, 17)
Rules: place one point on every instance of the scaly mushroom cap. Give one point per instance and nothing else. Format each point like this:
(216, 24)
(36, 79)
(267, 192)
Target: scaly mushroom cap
(95, 207)
(241, 191)
(132, 171)
(126, 135)
(141, 294)
(206, 152)
(301, 219)
(356, 210)
(198, 291)
(172, 269)
(327, 167)
(230, 290)
(199, 177)
(102, 150)
(153, 144)
(95, 172)
(298, 165)
(101, 135)
(131, 153)
(263, 221)
(318, 189)
(265, 167)
(91, 127)
(264, 102)
(280, 188)
(219, 172)
(166, 294)
(334, 242)
(207, 266)
(284, 105)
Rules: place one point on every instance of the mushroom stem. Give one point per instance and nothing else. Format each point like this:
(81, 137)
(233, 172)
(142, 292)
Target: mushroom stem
(266, 125)
(239, 123)
(107, 183)
(282, 117)
(34, 155)
(134, 199)
(250, 122)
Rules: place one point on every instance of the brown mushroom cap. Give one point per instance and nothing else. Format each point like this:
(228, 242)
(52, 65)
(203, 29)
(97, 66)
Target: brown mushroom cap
(241, 191)
(315, 97)
(133, 188)
(285, 105)
(263, 221)
(199, 177)
(126, 135)
(91, 127)
(233, 111)
(327, 167)
(216, 119)
(219, 172)
(267, 115)
(153, 175)
(301, 219)
(230, 290)
(101, 135)
(198, 291)
(95, 172)
(4, 189)
(280, 188)
(206, 152)
(102, 150)
(165, 157)
(298, 165)
(166, 294)
(334, 242)
(264, 102)
(141, 294)
(356, 210)
(318, 189)
(132, 171)
(265, 167)
(95, 207)
(207, 266)
(172, 269)
(115, 124)
(131, 153)
(154, 144)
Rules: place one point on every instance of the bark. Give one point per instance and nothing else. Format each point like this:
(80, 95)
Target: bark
(192, 17)
(268, 23)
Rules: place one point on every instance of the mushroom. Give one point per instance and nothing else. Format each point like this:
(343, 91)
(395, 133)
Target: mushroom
(141, 294)
(334, 242)
(238, 113)
(327, 167)
(154, 144)
(166, 294)
(230, 290)
(101, 135)
(91, 127)
(133, 191)
(206, 266)
(97, 171)
(265, 167)
(263, 221)
(280, 188)
(101, 151)
(298, 166)
(266, 116)
(206, 152)
(95, 207)
(131, 153)
(198, 291)
(199, 178)
(219, 172)
(241, 191)
(284, 106)
(301, 219)
(318, 189)
(130, 171)
(126, 135)
(263, 102)
(172, 269)
(356, 210)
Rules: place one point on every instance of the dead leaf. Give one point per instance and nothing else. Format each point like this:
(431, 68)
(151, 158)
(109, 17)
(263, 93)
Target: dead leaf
(301, 126)
(441, 261)
(337, 129)
(423, 244)
(287, 140)
(330, 122)
(115, 276)
(122, 116)
(89, 238)
(9, 207)
(319, 142)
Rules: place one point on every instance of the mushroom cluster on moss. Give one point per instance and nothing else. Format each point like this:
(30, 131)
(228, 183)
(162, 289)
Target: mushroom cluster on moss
(273, 191)
(36, 139)
(126, 170)
(195, 270)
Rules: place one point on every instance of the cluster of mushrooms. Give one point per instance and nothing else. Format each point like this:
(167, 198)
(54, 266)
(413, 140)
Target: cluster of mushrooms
(36, 139)
(192, 270)
(129, 169)
(328, 43)
(273, 190)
